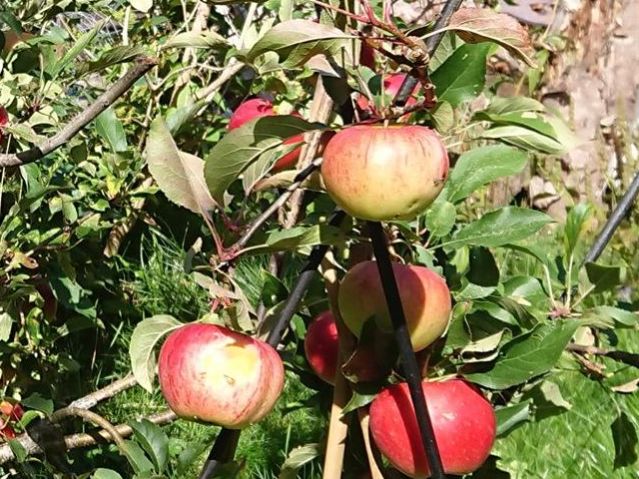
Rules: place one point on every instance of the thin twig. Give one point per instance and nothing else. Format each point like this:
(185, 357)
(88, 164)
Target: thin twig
(82, 119)
(263, 218)
(631, 359)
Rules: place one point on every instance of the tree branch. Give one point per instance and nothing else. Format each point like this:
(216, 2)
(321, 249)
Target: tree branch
(90, 400)
(75, 441)
(82, 119)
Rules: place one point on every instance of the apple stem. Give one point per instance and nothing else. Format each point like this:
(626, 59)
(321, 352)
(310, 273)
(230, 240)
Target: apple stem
(406, 353)
(226, 442)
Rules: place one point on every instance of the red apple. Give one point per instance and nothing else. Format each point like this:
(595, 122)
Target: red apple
(210, 373)
(260, 107)
(4, 119)
(321, 346)
(7, 433)
(424, 294)
(463, 421)
(381, 173)
(253, 108)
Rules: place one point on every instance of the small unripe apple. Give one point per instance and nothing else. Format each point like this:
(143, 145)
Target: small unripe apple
(322, 347)
(463, 421)
(382, 173)
(212, 374)
(424, 294)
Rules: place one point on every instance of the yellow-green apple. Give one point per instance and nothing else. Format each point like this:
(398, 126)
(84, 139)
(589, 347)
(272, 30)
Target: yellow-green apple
(463, 421)
(381, 173)
(322, 347)
(424, 294)
(213, 374)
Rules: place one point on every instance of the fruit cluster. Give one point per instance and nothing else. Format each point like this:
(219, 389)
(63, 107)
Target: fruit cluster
(377, 173)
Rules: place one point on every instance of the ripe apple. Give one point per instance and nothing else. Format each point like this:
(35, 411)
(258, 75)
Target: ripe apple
(260, 107)
(463, 421)
(321, 346)
(381, 173)
(210, 373)
(4, 119)
(424, 294)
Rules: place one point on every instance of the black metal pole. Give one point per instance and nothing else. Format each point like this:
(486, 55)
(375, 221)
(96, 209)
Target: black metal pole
(407, 355)
(614, 221)
(410, 82)
(226, 442)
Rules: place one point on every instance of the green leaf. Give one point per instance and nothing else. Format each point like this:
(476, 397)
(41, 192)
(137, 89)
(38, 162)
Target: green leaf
(39, 403)
(575, 223)
(179, 175)
(296, 41)
(78, 47)
(358, 400)
(18, 450)
(510, 416)
(11, 21)
(525, 138)
(501, 227)
(624, 435)
(154, 441)
(105, 474)
(207, 39)
(138, 460)
(141, 5)
(297, 458)
(476, 25)
(114, 56)
(527, 356)
(299, 237)
(143, 340)
(244, 145)
(440, 218)
(461, 77)
(443, 116)
(603, 278)
(6, 322)
(110, 128)
(514, 104)
(622, 317)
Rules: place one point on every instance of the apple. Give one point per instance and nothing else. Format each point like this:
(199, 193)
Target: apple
(260, 107)
(463, 421)
(4, 119)
(322, 347)
(213, 374)
(380, 173)
(424, 294)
